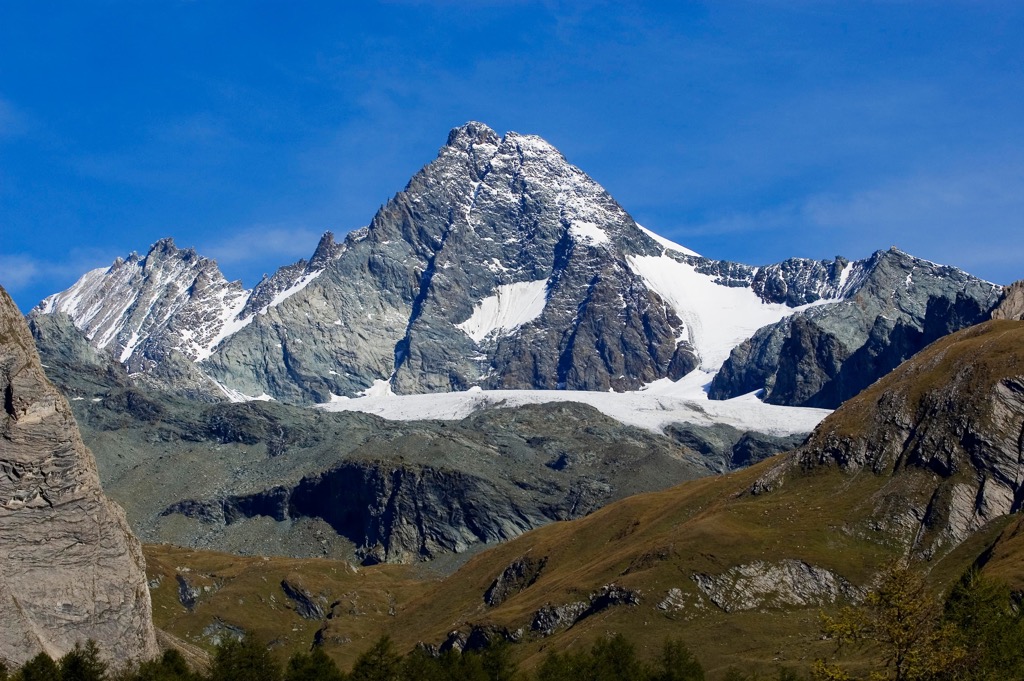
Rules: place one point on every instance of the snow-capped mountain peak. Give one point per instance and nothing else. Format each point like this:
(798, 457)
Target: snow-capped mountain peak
(170, 294)
(500, 265)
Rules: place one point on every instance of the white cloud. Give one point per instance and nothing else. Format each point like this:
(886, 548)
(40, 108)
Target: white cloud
(18, 271)
(279, 243)
(970, 216)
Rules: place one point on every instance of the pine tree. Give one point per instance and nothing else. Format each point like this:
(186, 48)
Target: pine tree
(379, 663)
(83, 663)
(40, 668)
(312, 666)
(677, 663)
(170, 666)
(245, 660)
(990, 627)
(615, 659)
(463, 667)
(497, 662)
(422, 666)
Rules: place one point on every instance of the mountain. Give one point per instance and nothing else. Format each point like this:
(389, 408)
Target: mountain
(925, 465)
(275, 479)
(501, 265)
(72, 570)
(823, 356)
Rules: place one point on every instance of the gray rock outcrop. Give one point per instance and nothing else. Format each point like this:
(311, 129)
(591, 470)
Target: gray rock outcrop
(551, 618)
(762, 585)
(72, 570)
(188, 593)
(1012, 304)
(518, 576)
(307, 605)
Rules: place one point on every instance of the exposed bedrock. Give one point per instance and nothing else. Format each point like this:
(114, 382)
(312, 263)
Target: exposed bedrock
(825, 355)
(72, 570)
(392, 513)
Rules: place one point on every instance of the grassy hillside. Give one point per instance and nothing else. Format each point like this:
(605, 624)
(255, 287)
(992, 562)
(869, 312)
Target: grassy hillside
(738, 566)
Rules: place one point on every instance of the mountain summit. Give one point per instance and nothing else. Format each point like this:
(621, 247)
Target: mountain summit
(500, 265)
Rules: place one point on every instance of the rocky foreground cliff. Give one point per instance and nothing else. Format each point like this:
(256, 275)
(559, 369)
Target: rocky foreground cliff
(72, 570)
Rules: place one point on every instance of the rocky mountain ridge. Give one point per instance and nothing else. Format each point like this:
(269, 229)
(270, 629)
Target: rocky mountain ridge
(821, 357)
(500, 265)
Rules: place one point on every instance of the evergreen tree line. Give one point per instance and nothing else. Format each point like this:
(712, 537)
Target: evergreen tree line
(613, 659)
(899, 633)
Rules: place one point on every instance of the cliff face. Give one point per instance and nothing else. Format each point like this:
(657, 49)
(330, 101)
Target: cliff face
(1012, 304)
(72, 570)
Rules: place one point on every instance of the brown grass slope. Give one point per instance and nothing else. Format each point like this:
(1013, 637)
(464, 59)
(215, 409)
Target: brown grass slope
(925, 463)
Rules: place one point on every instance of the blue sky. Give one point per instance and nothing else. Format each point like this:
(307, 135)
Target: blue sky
(749, 131)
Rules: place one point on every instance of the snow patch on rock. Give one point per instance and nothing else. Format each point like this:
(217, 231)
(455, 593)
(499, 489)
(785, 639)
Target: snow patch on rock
(509, 308)
(717, 317)
(380, 388)
(588, 232)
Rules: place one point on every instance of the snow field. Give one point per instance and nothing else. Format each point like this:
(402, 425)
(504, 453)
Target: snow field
(652, 408)
(717, 318)
(509, 308)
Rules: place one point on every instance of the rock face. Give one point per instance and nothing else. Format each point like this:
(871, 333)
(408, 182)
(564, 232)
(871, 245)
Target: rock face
(308, 606)
(787, 583)
(72, 569)
(395, 514)
(947, 428)
(819, 357)
(501, 265)
(1012, 304)
(519, 575)
(725, 448)
(550, 618)
(441, 489)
